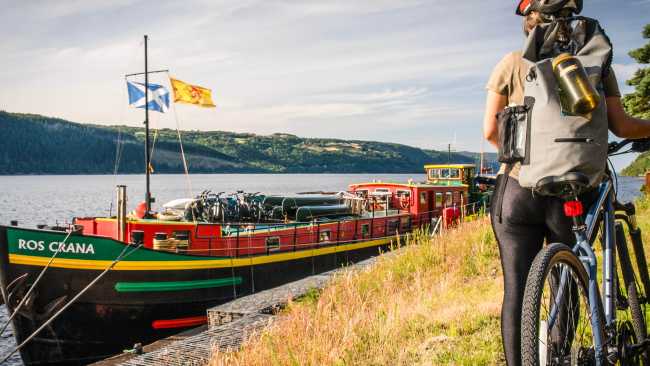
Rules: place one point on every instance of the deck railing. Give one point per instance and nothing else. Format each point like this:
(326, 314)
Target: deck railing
(244, 239)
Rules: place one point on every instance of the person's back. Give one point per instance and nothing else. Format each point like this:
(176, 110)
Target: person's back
(521, 220)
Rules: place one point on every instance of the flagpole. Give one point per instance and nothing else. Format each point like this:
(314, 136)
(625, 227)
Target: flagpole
(147, 158)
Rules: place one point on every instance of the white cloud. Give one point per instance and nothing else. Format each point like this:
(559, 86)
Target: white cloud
(367, 69)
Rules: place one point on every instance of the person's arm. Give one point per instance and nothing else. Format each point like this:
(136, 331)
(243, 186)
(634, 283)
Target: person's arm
(623, 125)
(494, 104)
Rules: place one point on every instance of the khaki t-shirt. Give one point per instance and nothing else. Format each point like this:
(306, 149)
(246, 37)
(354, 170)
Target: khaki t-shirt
(508, 79)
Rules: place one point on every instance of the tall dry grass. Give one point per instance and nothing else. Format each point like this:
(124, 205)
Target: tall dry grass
(437, 302)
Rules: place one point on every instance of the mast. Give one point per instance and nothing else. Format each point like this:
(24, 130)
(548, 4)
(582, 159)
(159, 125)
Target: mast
(147, 150)
(147, 157)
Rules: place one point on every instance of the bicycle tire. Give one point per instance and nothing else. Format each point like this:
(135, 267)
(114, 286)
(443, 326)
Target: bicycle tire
(642, 264)
(630, 287)
(545, 260)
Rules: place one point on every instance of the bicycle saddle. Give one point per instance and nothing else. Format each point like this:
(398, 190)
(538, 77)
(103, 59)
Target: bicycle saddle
(565, 185)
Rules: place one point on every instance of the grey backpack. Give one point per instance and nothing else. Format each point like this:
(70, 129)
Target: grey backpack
(541, 135)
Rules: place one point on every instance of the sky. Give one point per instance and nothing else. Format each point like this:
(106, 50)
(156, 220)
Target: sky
(406, 71)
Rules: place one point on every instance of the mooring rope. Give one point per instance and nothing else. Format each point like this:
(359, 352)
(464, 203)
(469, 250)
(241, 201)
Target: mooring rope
(40, 275)
(83, 291)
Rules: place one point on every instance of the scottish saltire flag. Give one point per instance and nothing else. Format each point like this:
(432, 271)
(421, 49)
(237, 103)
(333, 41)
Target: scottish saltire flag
(158, 96)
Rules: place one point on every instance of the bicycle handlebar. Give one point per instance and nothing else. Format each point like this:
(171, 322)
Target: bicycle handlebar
(638, 145)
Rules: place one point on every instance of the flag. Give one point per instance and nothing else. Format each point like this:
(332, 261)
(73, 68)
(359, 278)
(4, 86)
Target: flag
(191, 94)
(158, 96)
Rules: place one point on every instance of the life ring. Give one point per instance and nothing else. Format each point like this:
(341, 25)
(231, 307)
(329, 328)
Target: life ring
(404, 201)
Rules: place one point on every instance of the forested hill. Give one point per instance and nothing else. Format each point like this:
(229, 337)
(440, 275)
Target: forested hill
(34, 144)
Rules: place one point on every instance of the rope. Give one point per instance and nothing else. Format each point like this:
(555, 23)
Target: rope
(180, 142)
(29, 292)
(83, 291)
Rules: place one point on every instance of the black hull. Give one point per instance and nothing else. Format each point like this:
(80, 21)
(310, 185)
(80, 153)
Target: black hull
(104, 322)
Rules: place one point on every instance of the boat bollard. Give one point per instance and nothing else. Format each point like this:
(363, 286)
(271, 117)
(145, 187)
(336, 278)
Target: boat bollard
(121, 213)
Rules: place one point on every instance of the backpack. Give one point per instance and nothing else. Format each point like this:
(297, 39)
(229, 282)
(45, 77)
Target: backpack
(541, 135)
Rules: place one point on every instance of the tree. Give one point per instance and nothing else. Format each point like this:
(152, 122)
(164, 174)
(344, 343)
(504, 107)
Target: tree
(638, 103)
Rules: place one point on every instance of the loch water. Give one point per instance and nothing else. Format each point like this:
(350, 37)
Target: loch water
(50, 199)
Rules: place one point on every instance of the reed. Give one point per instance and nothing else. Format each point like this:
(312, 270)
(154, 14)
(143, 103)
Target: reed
(436, 302)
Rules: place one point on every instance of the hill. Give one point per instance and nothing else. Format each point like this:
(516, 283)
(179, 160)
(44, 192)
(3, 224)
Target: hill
(37, 144)
(639, 166)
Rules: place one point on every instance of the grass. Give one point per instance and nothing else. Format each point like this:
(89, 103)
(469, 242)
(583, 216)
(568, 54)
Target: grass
(437, 302)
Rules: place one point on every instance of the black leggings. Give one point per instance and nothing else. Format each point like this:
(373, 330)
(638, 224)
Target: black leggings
(526, 220)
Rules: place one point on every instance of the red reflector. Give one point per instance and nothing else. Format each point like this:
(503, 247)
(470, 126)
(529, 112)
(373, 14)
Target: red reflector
(573, 208)
(179, 323)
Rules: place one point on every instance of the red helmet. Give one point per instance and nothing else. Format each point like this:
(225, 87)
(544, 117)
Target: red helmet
(548, 6)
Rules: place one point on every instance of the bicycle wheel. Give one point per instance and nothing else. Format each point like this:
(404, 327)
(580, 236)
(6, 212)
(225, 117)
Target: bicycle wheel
(636, 309)
(556, 327)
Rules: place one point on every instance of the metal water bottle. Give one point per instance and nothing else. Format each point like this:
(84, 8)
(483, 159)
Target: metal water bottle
(577, 94)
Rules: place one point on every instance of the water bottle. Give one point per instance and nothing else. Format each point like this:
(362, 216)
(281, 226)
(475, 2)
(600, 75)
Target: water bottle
(577, 94)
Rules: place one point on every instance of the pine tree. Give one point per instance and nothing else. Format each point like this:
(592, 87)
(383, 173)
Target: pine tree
(638, 103)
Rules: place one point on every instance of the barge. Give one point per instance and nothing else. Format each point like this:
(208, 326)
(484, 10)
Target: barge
(106, 283)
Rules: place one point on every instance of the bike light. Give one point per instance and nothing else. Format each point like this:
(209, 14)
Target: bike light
(573, 208)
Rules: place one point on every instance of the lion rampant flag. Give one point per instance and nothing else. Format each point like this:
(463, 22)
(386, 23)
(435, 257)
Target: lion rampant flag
(191, 94)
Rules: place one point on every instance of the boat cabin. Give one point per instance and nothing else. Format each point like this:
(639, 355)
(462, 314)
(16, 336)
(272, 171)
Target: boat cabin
(422, 201)
(450, 174)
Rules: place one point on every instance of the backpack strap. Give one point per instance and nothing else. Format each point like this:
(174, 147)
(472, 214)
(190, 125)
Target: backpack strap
(502, 191)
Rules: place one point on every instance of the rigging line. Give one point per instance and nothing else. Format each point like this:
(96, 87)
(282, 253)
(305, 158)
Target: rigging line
(77, 296)
(40, 275)
(180, 142)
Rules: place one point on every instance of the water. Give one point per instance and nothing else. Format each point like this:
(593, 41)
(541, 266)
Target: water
(50, 199)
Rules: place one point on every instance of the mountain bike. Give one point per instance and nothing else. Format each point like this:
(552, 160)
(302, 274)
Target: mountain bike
(566, 318)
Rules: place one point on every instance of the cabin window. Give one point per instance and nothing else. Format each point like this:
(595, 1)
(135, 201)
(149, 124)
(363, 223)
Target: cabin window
(423, 198)
(273, 244)
(438, 199)
(403, 192)
(454, 173)
(434, 173)
(450, 198)
(444, 173)
(365, 230)
(325, 236)
(393, 226)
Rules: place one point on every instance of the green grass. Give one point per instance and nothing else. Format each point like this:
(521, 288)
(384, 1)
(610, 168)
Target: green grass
(437, 302)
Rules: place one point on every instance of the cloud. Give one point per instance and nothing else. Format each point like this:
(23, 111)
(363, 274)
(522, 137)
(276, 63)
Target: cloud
(388, 70)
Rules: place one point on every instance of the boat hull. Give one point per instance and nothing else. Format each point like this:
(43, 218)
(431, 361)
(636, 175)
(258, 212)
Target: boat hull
(139, 301)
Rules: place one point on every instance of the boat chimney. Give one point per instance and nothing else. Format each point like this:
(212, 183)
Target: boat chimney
(121, 213)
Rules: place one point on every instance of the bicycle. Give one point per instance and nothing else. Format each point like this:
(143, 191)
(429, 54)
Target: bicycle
(566, 320)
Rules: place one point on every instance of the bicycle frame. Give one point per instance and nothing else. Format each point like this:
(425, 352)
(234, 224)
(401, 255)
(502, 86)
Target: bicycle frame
(604, 205)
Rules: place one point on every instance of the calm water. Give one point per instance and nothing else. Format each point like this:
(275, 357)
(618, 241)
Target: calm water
(45, 199)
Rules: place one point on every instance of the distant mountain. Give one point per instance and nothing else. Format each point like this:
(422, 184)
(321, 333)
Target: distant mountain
(34, 144)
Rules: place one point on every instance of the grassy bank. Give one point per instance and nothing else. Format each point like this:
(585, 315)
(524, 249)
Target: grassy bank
(435, 303)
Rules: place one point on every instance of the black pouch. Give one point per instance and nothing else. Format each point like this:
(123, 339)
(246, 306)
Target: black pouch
(512, 124)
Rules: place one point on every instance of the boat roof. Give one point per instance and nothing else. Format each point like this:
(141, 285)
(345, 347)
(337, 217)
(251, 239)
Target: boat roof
(411, 184)
(437, 166)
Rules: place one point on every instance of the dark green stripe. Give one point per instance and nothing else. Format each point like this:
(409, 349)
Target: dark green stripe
(175, 285)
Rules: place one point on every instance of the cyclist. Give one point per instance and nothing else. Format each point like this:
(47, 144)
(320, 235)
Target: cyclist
(526, 220)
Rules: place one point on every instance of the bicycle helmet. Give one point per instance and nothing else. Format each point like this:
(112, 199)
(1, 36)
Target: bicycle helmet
(548, 6)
